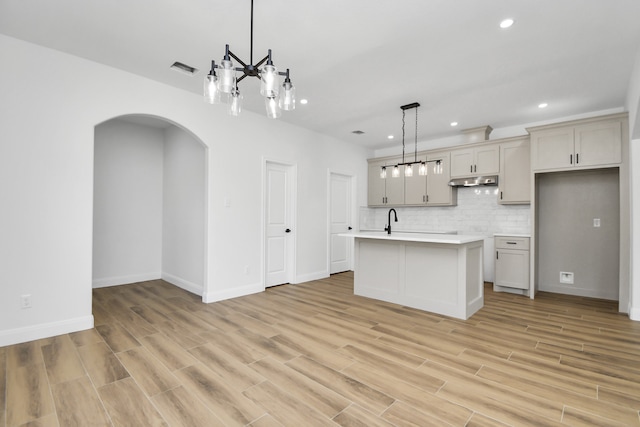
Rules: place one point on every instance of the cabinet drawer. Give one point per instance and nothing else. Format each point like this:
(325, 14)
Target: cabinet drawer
(505, 242)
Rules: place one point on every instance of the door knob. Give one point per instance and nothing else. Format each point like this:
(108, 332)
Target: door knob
(350, 228)
(288, 230)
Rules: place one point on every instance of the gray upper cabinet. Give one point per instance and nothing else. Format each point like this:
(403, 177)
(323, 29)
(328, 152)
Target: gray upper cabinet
(384, 191)
(475, 161)
(415, 186)
(439, 193)
(580, 144)
(514, 181)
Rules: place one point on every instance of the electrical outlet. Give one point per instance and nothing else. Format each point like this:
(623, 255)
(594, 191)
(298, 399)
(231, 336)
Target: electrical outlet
(596, 222)
(25, 301)
(246, 269)
(566, 277)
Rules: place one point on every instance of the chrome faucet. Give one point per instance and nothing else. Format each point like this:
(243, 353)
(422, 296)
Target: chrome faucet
(395, 215)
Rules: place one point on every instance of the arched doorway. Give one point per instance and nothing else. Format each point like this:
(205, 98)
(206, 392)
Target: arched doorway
(150, 201)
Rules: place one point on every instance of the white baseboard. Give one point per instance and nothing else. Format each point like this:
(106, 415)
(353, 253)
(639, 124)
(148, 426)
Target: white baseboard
(589, 293)
(181, 283)
(45, 330)
(124, 280)
(310, 277)
(634, 313)
(224, 294)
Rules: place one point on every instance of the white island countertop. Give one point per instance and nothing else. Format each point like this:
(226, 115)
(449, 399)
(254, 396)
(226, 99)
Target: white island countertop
(453, 239)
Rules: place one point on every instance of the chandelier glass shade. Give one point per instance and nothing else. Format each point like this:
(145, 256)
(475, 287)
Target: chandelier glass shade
(277, 97)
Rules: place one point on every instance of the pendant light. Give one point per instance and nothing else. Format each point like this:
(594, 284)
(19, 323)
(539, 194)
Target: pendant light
(408, 166)
(277, 98)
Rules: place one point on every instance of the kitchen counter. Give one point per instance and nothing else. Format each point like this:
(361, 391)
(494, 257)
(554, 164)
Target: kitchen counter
(511, 235)
(440, 273)
(454, 239)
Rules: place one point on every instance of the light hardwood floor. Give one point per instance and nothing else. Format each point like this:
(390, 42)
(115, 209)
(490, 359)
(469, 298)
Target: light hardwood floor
(315, 354)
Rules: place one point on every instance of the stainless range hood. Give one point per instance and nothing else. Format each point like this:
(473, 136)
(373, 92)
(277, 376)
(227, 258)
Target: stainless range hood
(474, 181)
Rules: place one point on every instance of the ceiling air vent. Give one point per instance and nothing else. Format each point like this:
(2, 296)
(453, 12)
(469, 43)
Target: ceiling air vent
(357, 132)
(184, 68)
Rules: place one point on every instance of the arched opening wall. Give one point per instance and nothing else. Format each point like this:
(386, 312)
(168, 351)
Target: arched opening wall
(47, 164)
(149, 204)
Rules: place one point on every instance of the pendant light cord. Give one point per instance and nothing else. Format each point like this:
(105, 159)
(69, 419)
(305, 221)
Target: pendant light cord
(415, 155)
(403, 112)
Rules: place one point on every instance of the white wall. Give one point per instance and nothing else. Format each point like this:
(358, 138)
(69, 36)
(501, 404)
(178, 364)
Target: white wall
(633, 105)
(46, 179)
(127, 231)
(183, 207)
(566, 204)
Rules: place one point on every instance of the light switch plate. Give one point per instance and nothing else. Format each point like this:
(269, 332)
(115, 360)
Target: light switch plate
(596, 222)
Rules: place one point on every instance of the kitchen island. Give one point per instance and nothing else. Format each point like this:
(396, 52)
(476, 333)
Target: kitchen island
(440, 273)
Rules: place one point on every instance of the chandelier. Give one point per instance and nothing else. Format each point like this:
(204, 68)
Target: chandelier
(408, 166)
(277, 98)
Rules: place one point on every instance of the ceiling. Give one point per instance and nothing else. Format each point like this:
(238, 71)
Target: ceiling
(358, 61)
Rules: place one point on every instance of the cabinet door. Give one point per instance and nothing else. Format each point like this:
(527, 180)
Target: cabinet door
(486, 160)
(598, 144)
(376, 185)
(552, 149)
(415, 186)
(394, 188)
(461, 163)
(439, 192)
(512, 268)
(515, 172)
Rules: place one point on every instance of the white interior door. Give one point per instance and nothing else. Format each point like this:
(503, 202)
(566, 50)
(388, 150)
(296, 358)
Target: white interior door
(278, 226)
(340, 248)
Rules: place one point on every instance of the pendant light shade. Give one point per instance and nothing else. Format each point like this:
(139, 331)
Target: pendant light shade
(383, 172)
(269, 81)
(408, 170)
(227, 76)
(211, 91)
(422, 170)
(396, 172)
(235, 102)
(273, 109)
(287, 95)
(277, 98)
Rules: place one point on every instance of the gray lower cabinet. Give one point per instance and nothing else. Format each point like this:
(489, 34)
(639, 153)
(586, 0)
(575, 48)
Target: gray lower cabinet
(511, 263)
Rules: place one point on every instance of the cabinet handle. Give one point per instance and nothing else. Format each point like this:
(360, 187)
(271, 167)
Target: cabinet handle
(577, 158)
(570, 159)
(501, 195)
(512, 243)
(470, 168)
(427, 198)
(497, 255)
(475, 168)
(424, 199)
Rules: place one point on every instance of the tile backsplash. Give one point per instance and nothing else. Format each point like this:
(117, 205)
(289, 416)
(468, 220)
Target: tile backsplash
(477, 213)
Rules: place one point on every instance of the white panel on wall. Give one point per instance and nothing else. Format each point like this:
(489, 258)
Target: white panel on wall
(127, 232)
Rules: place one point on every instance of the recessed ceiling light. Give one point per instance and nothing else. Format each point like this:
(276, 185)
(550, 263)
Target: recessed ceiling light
(506, 23)
(390, 137)
(304, 101)
(454, 124)
(543, 105)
